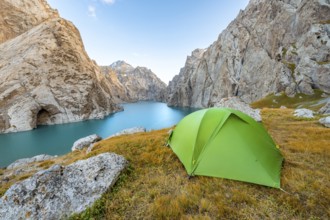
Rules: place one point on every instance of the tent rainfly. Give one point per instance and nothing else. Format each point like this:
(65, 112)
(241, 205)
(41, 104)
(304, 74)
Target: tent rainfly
(226, 143)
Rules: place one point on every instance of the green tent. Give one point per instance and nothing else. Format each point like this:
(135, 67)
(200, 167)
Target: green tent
(222, 142)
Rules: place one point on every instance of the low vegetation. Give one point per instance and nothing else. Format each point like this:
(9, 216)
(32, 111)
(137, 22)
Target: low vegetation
(323, 62)
(313, 102)
(156, 186)
(324, 22)
(291, 66)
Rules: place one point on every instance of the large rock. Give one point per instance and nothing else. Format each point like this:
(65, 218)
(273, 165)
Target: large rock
(271, 46)
(237, 104)
(85, 142)
(303, 113)
(135, 84)
(59, 191)
(25, 161)
(325, 121)
(46, 77)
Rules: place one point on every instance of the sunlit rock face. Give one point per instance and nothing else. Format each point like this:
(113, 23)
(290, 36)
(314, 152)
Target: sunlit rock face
(135, 84)
(272, 46)
(46, 77)
(18, 16)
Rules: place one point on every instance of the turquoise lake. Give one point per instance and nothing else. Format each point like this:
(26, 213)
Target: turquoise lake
(58, 139)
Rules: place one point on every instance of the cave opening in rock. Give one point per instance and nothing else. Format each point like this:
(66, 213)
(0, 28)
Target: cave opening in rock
(43, 117)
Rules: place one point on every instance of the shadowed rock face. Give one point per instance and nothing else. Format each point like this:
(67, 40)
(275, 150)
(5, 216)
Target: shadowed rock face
(46, 77)
(271, 46)
(135, 84)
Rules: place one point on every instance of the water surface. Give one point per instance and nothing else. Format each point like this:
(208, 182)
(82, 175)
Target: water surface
(58, 139)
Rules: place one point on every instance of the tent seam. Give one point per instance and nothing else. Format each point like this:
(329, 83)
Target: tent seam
(217, 130)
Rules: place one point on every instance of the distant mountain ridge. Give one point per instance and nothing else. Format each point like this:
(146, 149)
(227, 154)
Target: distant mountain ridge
(134, 84)
(271, 47)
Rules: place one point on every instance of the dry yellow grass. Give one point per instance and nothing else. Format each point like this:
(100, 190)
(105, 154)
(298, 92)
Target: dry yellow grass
(156, 186)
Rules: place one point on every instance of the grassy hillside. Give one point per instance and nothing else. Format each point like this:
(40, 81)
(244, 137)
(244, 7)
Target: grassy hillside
(300, 100)
(156, 186)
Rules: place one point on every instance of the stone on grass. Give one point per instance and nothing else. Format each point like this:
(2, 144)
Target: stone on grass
(325, 121)
(25, 161)
(123, 132)
(60, 191)
(237, 104)
(85, 142)
(303, 113)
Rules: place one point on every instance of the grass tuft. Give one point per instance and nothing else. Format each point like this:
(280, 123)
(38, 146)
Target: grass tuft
(284, 51)
(323, 62)
(46, 164)
(324, 22)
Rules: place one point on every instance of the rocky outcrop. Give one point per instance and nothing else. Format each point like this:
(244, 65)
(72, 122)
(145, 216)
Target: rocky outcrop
(237, 104)
(46, 77)
(180, 90)
(26, 161)
(271, 46)
(303, 113)
(325, 110)
(325, 121)
(59, 191)
(135, 84)
(26, 166)
(85, 142)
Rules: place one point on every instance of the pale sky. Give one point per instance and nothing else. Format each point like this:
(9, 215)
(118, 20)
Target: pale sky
(157, 34)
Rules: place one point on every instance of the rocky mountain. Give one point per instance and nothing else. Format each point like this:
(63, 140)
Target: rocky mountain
(272, 46)
(46, 77)
(134, 84)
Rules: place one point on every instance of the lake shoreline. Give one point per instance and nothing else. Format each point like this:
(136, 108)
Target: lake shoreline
(58, 139)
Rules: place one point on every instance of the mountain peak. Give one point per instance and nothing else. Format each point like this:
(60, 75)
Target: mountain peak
(121, 65)
(138, 83)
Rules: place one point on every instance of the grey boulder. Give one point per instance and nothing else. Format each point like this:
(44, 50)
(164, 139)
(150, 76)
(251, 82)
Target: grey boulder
(85, 142)
(25, 161)
(60, 191)
(237, 104)
(325, 121)
(303, 113)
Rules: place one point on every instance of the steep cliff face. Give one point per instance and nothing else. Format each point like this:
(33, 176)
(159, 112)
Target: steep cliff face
(46, 77)
(134, 84)
(272, 46)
